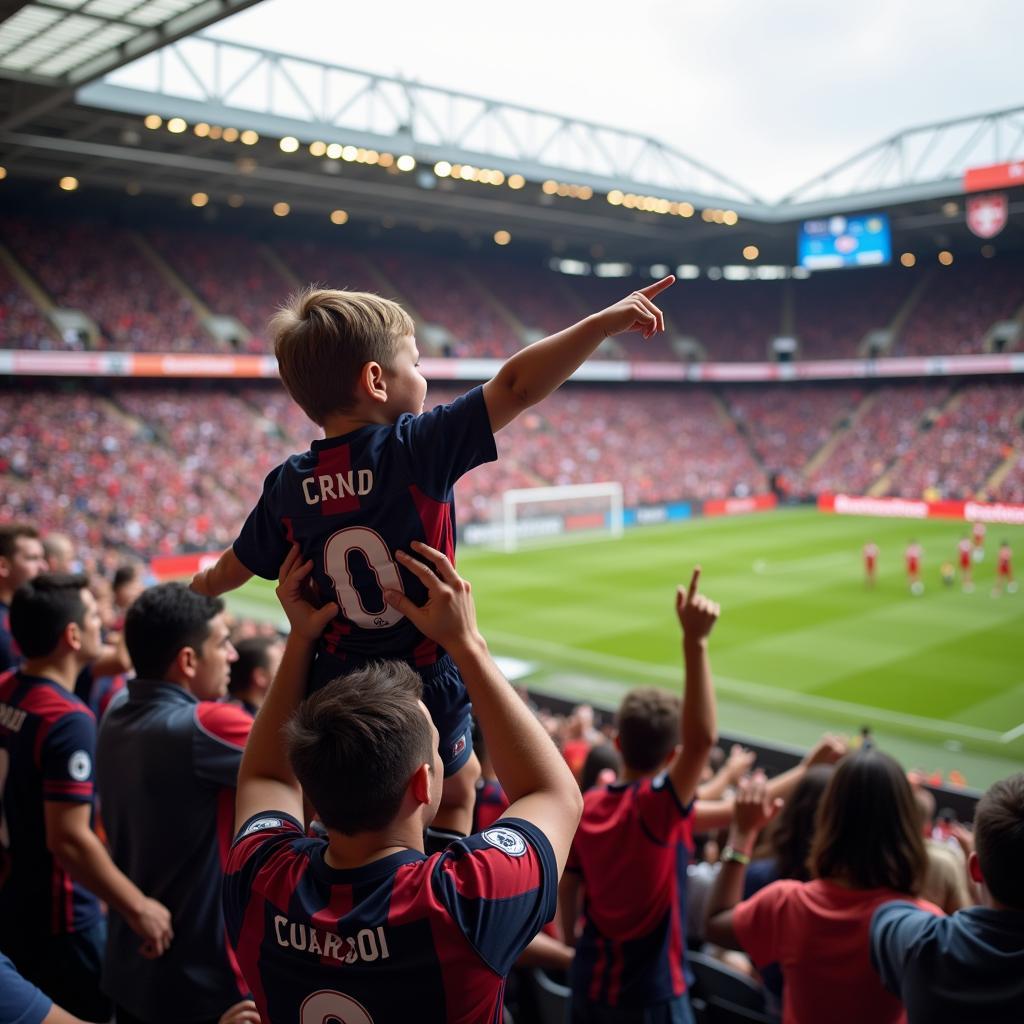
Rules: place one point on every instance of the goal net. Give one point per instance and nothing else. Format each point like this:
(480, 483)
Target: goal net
(571, 509)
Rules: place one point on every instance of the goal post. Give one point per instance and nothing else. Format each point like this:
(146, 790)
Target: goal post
(560, 510)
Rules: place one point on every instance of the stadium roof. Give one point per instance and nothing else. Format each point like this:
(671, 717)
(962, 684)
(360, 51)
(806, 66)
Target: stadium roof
(236, 125)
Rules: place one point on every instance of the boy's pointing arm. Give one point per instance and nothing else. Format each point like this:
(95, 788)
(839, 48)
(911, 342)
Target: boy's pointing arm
(535, 371)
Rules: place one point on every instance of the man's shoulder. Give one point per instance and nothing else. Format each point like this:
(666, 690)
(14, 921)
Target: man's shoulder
(223, 721)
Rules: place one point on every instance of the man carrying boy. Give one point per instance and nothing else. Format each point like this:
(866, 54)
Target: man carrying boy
(383, 478)
(628, 859)
(362, 926)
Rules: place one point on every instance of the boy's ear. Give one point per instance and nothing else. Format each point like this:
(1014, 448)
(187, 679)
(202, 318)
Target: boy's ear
(372, 382)
(420, 784)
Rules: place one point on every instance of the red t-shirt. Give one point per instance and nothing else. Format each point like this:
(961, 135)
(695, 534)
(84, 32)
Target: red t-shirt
(818, 933)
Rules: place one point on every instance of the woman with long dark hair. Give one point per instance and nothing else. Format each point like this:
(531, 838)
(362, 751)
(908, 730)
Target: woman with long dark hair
(867, 849)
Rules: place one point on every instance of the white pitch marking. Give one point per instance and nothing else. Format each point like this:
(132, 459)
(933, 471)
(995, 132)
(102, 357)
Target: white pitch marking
(747, 688)
(1009, 737)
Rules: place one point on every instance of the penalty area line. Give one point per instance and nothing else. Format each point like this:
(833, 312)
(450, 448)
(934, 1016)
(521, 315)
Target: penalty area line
(728, 686)
(1009, 737)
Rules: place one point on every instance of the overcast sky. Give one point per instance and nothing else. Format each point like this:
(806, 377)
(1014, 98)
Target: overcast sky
(769, 92)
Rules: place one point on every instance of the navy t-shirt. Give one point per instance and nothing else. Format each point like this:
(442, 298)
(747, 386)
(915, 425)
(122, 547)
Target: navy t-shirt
(350, 502)
(405, 938)
(48, 744)
(965, 967)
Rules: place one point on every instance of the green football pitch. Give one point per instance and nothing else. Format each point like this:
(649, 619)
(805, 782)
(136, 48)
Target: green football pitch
(803, 645)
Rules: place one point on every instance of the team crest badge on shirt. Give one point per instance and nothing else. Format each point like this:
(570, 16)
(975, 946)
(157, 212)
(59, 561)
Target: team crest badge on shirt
(261, 824)
(459, 745)
(506, 840)
(80, 766)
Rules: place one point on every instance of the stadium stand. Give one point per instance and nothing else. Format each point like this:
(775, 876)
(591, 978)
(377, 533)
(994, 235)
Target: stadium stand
(960, 304)
(99, 270)
(21, 324)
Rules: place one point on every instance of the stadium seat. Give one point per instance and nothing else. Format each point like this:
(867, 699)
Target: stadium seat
(552, 998)
(721, 995)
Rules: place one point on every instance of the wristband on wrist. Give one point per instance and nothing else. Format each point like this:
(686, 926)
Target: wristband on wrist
(738, 856)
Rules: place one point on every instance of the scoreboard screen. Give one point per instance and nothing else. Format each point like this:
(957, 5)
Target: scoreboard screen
(840, 241)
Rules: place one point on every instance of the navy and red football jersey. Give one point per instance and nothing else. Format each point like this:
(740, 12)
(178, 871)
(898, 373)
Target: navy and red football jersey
(350, 502)
(491, 803)
(47, 749)
(404, 938)
(631, 850)
(10, 655)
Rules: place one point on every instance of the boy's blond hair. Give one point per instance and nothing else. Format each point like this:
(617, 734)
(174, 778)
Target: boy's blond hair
(323, 338)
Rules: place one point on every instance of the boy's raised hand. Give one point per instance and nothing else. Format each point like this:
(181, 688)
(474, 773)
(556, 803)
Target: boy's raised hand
(754, 806)
(293, 591)
(697, 613)
(449, 616)
(636, 312)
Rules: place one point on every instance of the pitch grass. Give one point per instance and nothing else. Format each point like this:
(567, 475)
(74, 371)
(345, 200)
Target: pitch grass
(802, 646)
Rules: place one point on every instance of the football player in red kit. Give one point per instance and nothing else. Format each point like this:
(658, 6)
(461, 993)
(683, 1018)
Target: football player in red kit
(964, 556)
(913, 556)
(870, 562)
(1004, 571)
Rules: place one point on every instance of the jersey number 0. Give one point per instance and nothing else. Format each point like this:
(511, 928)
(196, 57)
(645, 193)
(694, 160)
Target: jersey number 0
(360, 542)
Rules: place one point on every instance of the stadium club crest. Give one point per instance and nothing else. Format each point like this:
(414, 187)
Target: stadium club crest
(987, 215)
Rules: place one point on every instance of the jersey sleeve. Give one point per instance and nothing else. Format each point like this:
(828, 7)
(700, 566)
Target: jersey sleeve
(898, 930)
(20, 1001)
(263, 543)
(67, 758)
(499, 887)
(447, 442)
(758, 922)
(660, 808)
(219, 737)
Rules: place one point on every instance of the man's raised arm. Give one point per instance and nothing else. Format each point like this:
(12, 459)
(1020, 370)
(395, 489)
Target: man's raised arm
(535, 371)
(266, 781)
(539, 785)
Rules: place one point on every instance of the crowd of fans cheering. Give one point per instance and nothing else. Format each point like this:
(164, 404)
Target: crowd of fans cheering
(153, 470)
(484, 306)
(842, 892)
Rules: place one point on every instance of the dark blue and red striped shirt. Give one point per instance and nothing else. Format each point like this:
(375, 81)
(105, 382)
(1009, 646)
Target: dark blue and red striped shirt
(404, 938)
(631, 849)
(47, 749)
(350, 502)
(10, 655)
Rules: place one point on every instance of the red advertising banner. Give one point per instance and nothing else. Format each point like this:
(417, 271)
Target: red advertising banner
(738, 506)
(904, 508)
(175, 567)
(981, 179)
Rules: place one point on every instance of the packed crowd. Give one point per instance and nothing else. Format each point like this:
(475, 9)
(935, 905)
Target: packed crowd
(100, 271)
(485, 306)
(881, 431)
(154, 470)
(309, 831)
(834, 889)
(966, 443)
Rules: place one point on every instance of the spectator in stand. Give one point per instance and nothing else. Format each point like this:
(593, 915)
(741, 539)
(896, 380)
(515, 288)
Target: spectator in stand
(969, 966)
(126, 587)
(601, 767)
(253, 671)
(21, 559)
(867, 850)
(167, 764)
(59, 552)
(625, 859)
(580, 736)
(404, 936)
(945, 882)
(51, 921)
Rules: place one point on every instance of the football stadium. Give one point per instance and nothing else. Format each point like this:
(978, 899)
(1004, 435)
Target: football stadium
(817, 398)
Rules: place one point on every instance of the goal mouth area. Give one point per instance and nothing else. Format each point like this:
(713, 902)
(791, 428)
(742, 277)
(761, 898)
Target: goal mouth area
(531, 515)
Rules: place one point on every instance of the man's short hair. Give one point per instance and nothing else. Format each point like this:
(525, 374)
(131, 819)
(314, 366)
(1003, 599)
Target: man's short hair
(42, 609)
(648, 725)
(162, 621)
(867, 831)
(355, 744)
(127, 572)
(324, 337)
(999, 840)
(10, 533)
(253, 653)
